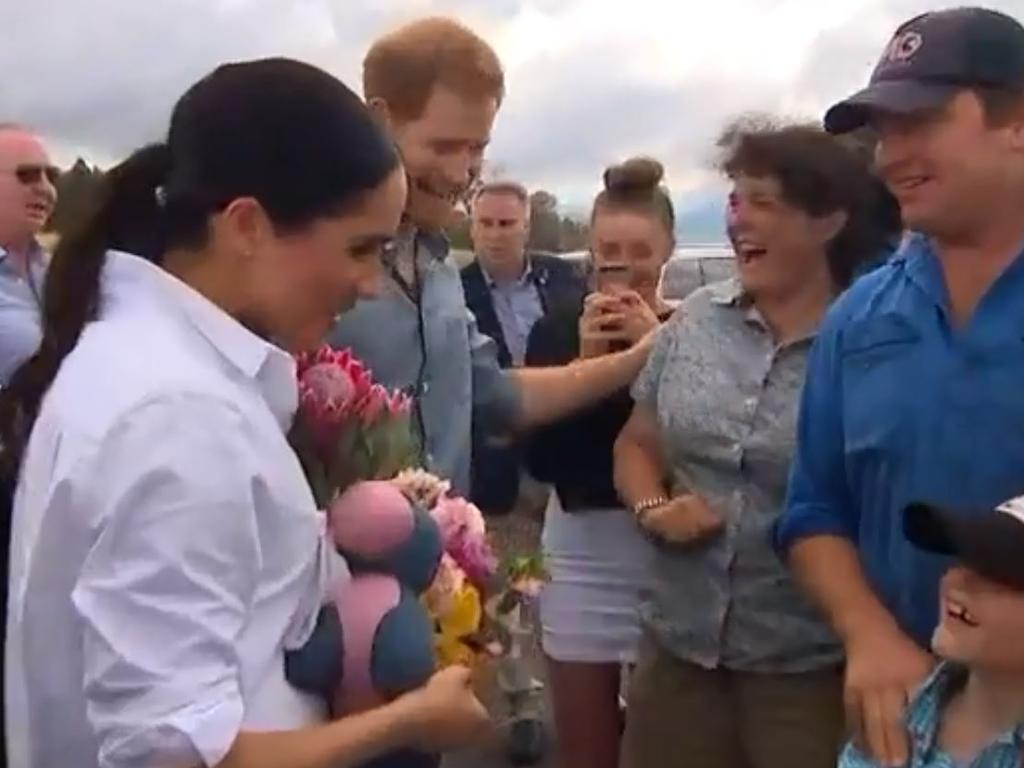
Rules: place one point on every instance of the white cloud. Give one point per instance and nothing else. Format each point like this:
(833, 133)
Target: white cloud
(590, 81)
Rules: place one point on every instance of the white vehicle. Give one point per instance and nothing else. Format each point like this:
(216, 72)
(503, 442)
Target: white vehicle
(689, 268)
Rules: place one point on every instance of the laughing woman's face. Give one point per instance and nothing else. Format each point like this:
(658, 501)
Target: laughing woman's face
(777, 245)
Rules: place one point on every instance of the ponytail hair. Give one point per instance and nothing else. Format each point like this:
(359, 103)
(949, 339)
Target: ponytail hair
(280, 131)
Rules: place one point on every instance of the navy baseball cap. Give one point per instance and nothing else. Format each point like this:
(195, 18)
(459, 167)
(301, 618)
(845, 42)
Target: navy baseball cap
(989, 541)
(931, 58)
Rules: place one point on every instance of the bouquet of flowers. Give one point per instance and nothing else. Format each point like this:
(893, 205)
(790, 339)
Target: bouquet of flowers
(418, 551)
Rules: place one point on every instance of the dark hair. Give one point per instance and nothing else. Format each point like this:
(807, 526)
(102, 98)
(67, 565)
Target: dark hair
(636, 185)
(285, 133)
(404, 67)
(820, 174)
(1001, 104)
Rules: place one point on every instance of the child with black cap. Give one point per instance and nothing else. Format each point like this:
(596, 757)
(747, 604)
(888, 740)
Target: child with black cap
(971, 710)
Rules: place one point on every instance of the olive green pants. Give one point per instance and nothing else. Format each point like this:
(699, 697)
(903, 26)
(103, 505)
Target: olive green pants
(681, 715)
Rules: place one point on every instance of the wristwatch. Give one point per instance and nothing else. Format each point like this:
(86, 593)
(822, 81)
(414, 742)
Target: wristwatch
(642, 507)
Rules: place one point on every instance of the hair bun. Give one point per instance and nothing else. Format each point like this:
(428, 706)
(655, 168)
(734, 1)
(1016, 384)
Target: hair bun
(638, 174)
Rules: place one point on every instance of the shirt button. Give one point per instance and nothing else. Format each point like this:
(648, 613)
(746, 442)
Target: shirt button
(425, 388)
(751, 404)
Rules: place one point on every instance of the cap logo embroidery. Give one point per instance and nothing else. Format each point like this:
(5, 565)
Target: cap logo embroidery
(1014, 508)
(903, 47)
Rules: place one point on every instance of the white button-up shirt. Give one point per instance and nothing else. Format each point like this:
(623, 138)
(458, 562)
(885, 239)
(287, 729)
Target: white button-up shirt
(166, 549)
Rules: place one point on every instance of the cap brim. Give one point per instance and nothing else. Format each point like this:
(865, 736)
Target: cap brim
(990, 542)
(900, 97)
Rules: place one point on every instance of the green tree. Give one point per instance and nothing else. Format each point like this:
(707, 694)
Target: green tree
(77, 192)
(545, 226)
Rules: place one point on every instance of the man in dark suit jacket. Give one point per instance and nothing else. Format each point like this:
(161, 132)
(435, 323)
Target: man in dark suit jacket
(508, 289)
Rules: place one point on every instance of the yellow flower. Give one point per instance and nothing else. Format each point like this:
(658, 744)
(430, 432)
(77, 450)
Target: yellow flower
(461, 621)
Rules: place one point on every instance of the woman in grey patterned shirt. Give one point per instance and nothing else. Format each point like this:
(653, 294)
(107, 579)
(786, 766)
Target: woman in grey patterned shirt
(737, 669)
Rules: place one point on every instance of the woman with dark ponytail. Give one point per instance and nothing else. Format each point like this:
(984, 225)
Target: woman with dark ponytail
(165, 548)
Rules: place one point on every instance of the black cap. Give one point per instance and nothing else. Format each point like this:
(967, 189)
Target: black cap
(989, 541)
(933, 56)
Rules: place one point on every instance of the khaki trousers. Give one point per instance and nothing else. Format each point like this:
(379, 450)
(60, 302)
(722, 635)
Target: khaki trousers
(681, 715)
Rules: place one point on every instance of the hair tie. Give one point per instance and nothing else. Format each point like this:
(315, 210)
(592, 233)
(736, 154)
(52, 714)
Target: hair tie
(160, 195)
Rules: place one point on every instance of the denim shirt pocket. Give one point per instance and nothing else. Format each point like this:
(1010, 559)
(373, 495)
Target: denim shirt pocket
(877, 381)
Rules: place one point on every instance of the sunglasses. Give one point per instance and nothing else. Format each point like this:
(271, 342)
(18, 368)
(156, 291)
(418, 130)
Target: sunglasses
(33, 174)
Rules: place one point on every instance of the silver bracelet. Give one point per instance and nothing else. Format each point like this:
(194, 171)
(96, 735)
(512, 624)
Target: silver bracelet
(642, 507)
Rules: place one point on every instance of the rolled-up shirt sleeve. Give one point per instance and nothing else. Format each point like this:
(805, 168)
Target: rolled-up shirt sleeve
(165, 590)
(818, 501)
(497, 399)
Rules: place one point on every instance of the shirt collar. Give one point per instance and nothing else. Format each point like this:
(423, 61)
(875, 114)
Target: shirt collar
(436, 243)
(730, 293)
(523, 279)
(127, 278)
(918, 258)
(36, 254)
(925, 712)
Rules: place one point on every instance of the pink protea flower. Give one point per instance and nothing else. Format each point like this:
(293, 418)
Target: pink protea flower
(332, 384)
(400, 404)
(374, 404)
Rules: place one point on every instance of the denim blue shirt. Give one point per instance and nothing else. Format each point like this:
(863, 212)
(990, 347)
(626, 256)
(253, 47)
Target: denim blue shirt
(518, 306)
(901, 406)
(924, 719)
(20, 303)
(450, 369)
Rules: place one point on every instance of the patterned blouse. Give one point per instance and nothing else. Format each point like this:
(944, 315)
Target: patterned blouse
(725, 397)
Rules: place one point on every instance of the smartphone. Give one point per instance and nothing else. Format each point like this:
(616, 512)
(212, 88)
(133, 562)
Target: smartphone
(612, 276)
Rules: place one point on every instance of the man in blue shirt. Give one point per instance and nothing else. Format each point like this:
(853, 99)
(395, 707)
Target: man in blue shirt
(437, 87)
(27, 198)
(915, 388)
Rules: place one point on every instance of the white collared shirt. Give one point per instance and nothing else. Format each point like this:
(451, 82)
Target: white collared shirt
(166, 548)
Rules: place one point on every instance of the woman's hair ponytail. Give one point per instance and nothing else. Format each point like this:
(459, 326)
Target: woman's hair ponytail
(280, 131)
(126, 215)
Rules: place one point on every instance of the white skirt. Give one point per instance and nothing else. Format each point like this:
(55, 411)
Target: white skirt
(600, 564)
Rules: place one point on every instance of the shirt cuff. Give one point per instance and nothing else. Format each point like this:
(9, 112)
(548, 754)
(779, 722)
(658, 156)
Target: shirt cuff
(806, 521)
(205, 729)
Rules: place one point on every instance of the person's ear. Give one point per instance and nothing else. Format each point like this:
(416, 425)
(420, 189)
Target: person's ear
(244, 226)
(381, 113)
(827, 228)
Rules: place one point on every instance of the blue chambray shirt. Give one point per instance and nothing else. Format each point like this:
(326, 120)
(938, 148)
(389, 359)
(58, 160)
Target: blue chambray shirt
(900, 406)
(460, 377)
(924, 718)
(20, 321)
(518, 306)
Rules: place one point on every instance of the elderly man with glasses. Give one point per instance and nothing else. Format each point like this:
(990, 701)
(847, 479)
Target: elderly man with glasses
(27, 197)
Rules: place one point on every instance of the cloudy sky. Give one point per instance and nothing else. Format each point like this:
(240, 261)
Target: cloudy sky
(590, 81)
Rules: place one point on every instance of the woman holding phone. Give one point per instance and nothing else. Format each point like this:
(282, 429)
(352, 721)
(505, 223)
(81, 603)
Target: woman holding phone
(596, 555)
